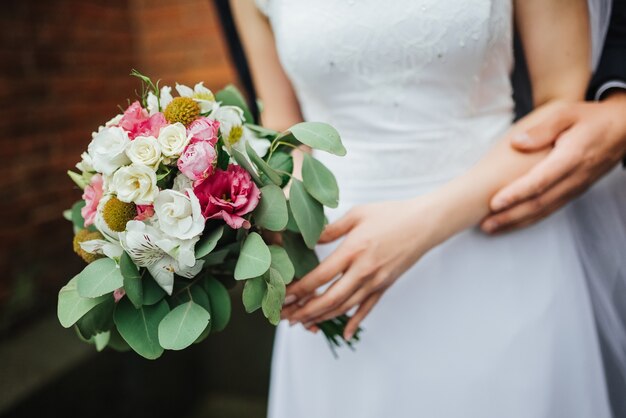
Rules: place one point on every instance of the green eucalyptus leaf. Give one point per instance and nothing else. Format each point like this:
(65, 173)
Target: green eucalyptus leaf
(220, 303)
(116, 342)
(132, 280)
(216, 257)
(152, 292)
(182, 326)
(274, 297)
(208, 241)
(139, 327)
(71, 306)
(101, 340)
(282, 263)
(97, 320)
(77, 217)
(319, 136)
(307, 212)
(253, 292)
(262, 131)
(262, 165)
(223, 159)
(230, 96)
(254, 259)
(303, 258)
(242, 160)
(282, 163)
(319, 182)
(78, 179)
(271, 212)
(291, 223)
(99, 278)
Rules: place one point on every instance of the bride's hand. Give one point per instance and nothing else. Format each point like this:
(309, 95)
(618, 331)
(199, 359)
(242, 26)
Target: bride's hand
(382, 240)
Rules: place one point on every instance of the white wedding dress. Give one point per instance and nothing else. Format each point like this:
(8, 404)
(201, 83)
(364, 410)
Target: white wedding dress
(481, 327)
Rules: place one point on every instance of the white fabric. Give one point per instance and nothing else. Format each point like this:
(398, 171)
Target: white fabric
(482, 326)
(599, 17)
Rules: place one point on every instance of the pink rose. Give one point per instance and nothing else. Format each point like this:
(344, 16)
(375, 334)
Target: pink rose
(204, 128)
(197, 160)
(137, 122)
(144, 212)
(228, 195)
(92, 195)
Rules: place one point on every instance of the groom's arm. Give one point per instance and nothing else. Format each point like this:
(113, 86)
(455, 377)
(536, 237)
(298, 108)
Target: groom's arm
(589, 139)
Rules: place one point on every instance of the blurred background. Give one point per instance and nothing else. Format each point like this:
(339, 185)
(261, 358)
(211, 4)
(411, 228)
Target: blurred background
(64, 69)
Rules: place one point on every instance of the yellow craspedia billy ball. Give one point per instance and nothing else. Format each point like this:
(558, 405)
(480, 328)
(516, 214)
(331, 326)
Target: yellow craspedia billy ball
(82, 236)
(117, 213)
(182, 109)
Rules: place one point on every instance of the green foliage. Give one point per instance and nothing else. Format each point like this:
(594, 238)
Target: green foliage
(274, 296)
(139, 327)
(254, 259)
(208, 241)
(71, 306)
(230, 96)
(307, 212)
(183, 325)
(263, 167)
(99, 278)
(132, 280)
(222, 156)
(253, 292)
(261, 131)
(271, 212)
(291, 223)
(216, 257)
(320, 182)
(152, 292)
(77, 217)
(220, 303)
(78, 179)
(116, 342)
(97, 320)
(319, 136)
(247, 165)
(303, 258)
(282, 163)
(281, 263)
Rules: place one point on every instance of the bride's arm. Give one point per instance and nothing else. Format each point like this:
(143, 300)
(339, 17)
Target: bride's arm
(383, 240)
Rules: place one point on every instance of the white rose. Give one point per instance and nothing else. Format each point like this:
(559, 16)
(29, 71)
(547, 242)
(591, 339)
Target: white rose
(173, 139)
(179, 214)
(135, 183)
(113, 122)
(181, 183)
(108, 150)
(161, 255)
(144, 150)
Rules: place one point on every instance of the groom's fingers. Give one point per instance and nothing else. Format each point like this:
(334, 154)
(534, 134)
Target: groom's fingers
(556, 166)
(543, 133)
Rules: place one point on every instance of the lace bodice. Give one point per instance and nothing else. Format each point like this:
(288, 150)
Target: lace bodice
(418, 89)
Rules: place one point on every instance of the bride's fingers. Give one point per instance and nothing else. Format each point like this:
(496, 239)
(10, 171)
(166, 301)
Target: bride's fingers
(354, 300)
(360, 314)
(288, 310)
(328, 269)
(338, 228)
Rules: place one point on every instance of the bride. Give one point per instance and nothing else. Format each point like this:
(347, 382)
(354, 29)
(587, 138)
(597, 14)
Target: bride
(420, 93)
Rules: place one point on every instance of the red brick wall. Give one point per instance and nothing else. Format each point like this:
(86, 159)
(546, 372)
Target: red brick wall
(64, 68)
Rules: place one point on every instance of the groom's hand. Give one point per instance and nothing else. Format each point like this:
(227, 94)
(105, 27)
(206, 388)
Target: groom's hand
(589, 139)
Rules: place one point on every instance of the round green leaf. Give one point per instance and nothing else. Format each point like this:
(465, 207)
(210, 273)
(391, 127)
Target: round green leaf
(271, 212)
(77, 217)
(272, 302)
(282, 163)
(303, 258)
(182, 326)
(116, 342)
(220, 303)
(253, 292)
(97, 320)
(254, 259)
(262, 165)
(208, 242)
(319, 136)
(101, 340)
(132, 280)
(152, 292)
(320, 182)
(308, 213)
(71, 306)
(99, 278)
(139, 327)
(242, 160)
(282, 263)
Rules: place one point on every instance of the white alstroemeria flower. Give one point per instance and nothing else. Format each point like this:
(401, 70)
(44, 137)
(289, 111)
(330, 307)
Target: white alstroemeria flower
(182, 183)
(161, 255)
(200, 94)
(135, 183)
(153, 102)
(108, 150)
(179, 214)
(144, 150)
(235, 134)
(102, 246)
(173, 139)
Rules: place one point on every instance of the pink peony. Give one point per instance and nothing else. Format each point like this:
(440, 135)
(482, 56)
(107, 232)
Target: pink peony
(228, 195)
(92, 195)
(137, 122)
(205, 129)
(144, 212)
(197, 160)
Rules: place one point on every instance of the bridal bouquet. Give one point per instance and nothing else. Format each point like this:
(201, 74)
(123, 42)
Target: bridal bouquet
(179, 193)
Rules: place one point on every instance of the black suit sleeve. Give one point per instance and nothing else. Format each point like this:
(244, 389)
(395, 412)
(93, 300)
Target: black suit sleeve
(613, 62)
